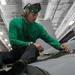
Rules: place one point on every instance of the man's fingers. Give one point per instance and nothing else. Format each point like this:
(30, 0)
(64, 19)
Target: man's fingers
(41, 49)
(65, 48)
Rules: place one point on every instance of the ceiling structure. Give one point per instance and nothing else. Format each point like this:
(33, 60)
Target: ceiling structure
(55, 10)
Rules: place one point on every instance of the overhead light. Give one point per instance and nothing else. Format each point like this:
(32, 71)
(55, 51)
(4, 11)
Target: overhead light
(9, 45)
(71, 22)
(3, 2)
(1, 33)
(5, 40)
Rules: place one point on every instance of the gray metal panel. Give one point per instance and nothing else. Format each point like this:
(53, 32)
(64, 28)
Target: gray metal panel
(64, 65)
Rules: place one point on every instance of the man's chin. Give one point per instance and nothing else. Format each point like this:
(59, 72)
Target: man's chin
(32, 22)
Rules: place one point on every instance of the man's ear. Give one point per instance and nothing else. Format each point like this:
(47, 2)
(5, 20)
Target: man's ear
(25, 12)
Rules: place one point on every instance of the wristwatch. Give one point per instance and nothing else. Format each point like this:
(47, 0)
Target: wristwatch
(31, 43)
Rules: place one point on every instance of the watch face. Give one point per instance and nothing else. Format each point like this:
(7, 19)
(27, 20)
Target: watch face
(31, 43)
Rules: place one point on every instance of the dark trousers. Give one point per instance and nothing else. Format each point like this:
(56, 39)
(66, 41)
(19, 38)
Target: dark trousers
(29, 54)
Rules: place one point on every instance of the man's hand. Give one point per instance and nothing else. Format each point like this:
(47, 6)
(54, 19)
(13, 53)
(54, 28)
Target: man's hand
(65, 48)
(39, 47)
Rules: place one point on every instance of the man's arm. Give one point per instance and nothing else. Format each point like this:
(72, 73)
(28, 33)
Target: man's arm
(13, 36)
(51, 41)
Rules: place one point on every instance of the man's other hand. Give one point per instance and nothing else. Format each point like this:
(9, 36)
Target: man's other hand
(39, 47)
(65, 48)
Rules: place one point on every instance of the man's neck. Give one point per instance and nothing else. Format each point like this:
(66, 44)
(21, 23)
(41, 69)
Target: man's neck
(26, 20)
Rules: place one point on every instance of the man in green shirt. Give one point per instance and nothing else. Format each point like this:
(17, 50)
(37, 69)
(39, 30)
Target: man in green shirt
(23, 33)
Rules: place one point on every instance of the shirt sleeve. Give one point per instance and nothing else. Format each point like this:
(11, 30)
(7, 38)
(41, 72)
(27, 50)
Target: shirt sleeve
(13, 36)
(50, 40)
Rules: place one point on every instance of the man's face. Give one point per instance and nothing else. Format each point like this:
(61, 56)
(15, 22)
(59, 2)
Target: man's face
(32, 17)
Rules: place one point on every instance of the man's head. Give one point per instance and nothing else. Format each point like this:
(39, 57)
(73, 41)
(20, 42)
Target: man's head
(31, 12)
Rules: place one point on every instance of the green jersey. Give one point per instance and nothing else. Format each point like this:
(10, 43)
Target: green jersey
(21, 34)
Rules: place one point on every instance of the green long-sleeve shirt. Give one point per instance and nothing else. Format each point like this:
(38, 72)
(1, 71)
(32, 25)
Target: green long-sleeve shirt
(21, 33)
